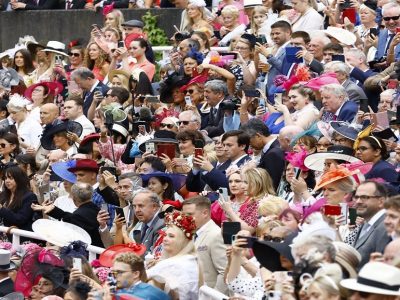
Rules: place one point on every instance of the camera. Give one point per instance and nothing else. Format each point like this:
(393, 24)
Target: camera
(230, 104)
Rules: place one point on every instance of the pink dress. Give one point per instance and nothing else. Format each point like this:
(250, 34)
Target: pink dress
(119, 149)
(249, 212)
(97, 73)
(243, 19)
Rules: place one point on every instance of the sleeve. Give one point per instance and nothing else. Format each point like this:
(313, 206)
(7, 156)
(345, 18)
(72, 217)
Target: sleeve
(22, 216)
(194, 183)
(219, 260)
(372, 82)
(109, 196)
(125, 156)
(215, 179)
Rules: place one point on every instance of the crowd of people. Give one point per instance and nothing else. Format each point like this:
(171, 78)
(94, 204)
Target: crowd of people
(264, 168)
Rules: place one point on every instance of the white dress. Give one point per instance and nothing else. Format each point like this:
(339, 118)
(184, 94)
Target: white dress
(179, 273)
(309, 22)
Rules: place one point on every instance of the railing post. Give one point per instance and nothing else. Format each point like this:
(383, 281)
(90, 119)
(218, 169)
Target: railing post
(15, 240)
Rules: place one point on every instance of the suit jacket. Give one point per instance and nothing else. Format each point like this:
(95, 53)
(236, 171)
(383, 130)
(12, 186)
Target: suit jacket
(354, 91)
(383, 169)
(22, 217)
(6, 287)
(43, 4)
(85, 216)
(214, 127)
(348, 111)
(4, 4)
(88, 96)
(197, 183)
(146, 291)
(151, 234)
(382, 39)
(361, 76)
(211, 253)
(76, 4)
(375, 240)
(273, 161)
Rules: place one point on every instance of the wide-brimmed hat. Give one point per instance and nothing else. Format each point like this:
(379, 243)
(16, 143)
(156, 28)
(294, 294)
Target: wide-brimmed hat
(324, 79)
(60, 233)
(397, 120)
(131, 37)
(348, 130)
(375, 278)
(84, 164)
(316, 161)
(326, 129)
(13, 296)
(88, 138)
(113, 73)
(61, 170)
(54, 88)
(251, 3)
(107, 257)
(333, 175)
(68, 126)
(169, 84)
(267, 253)
(8, 78)
(32, 45)
(199, 79)
(342, 35)
(178, 180)
(55, 47)
(160, 136)
(5, 261)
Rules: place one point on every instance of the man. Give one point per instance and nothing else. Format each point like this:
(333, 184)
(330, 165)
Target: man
(191, 120)
(331, 49)
(316, 47)
(272, 157)
(342, 72)
(208, 242)
(392, 218)
(391, 254)
(236, 144)
(73, 110)
(336, 106)
(184, 47)
(286, 135)
(386, 100)
(146, 205)
(129, 271)
(132, 26)
(297, 39)
(86, 81)
(215, 92)
(372, 237)
(49, 114)
(84, 216)
(6, 284)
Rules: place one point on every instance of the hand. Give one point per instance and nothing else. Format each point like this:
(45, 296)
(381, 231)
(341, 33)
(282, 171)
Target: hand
(226, 205)
(395, 41)
(18, 5)
(224, 30)
(73, 137)
(269, 284)
(263, 49)
(371, 41)
(298, 186)
(44, 208)
(339, 220)
(31, 151)
(260, 112)
(102, 217)
(109, 179)
(167, 162)
(203, 163)
(237, 249)
(119, 53)
(74, 275)
(119, 222)
(307, 56)
(359, 221)
(376, 256)
(281, 107)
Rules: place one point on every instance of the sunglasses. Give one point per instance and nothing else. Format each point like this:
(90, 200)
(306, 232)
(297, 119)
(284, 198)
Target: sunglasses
(2, 145)
(169, 126)
(395, 18)
(74, 54)
(190, 91)
(183, 123)
(274, 239)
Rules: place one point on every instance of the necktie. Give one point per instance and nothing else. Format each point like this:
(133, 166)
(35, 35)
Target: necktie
(144, 230)
(389, 40)
(212, 115)
(364, 230)
(130, 215)
(195, 237)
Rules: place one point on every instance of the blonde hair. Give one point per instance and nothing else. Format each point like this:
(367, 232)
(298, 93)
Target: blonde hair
(267, 227)
(119, 18)
(272, 206)
(259, 183)
(230, 9)
(124, 80)
(327, 278)
(134, 261)
(183, 244)
(257, 10)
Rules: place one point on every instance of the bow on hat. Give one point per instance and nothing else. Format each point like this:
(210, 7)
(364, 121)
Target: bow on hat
(108, 8)
(362, 134)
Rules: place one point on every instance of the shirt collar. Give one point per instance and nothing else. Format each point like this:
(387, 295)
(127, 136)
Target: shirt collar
(376, 217)
(94, 86)
(268, 145)
(338, 111)
(237, 160)
(202, 228)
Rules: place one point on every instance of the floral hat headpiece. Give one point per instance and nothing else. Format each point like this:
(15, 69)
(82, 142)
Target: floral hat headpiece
(183, 222)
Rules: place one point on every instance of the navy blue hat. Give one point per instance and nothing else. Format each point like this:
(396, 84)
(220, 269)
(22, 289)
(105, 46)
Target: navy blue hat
(178, 180)
(68, 126)
(345, 129)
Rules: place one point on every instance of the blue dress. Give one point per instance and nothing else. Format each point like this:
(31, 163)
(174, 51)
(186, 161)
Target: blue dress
(270, 122)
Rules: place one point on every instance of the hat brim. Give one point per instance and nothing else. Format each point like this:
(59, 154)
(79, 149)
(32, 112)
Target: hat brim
(61, 170)
(54, 51)
(316, 161)
(107, 257)
(325, 129)
(47, 139)
(178, 180)
(113, 73)
(333, 179)
(339, 126)
(52, 86)
(12, 266)
(342, 262)
(352, 284)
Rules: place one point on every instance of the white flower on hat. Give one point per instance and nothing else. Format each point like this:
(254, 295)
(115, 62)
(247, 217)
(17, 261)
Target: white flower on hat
(18, 101)
(198, 3)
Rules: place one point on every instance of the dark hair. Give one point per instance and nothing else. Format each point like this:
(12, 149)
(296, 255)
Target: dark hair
(77, 99)
(197, 56)
(190, 135)
(254, 126)
(12, 138)
(169, 191)
(334, 47)
(121, 93)
(301, 34)
(22, 183)
(304, 91)
(27, 159)
(377, 144)
(142, 43)
(199, 201)
(79, 48)
(380, 189)
(242, 138)
(80, 289)
(204, 37)
(142, 86)
(282, 24)
(28, 61)
(155, 162)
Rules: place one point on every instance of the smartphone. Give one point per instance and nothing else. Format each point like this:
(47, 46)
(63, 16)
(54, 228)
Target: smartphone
(344, 211)
(104, 207)
(397, 29)
(373, 32)
(112, 170)
(77, 263)
(224, 192)
(168, 149)
(229, 229)
(188, 100)
(152, 99)
(278, 98)
(121, 44)
(364, 105)
(198, 148)
(338, 57)
(349, 13)
(119, 211)
(392, 84)
(252, 93)
(382, 119)
(261, 39)
(59, 60)
(297, 172)
(352, 215)
(234, 55)
(331, 210)
(150, 147)
(261, 102)
(250, 240)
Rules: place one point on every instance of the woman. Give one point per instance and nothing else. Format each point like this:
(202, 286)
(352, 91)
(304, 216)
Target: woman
(9, 147)
(29, 130)
(308, 19)
(291, 219)
(76, 55)
(323, 144)
(194, 90)
(195, 16)
(192, 60)
(186, 143)
(78, 290)
(114, 19)
(23, 64)
(97, 61)
(112, 36)
(367, 18)
(137, 50)
(243, 67)
(259, 26)
(203, 40)
(305, 113)
(372, 149)
(16, 199)
(178, 268)
(307, 142)
(119, 78)
(326, 284)
(231, 25)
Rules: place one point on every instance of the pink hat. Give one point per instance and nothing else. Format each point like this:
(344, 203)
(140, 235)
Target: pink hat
(318, 82)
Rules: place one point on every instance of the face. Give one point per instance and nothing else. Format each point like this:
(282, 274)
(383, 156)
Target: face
(145, 168)
(219, 147)
(10, 183)
(94, 52)
(71, 110)
(17, 116)
(338, 139)
(186, 123)
(259, 18)
(6, 147)
(314, 292)
(298, 101)
(212, 98)
(330, 101)
(352, 60)
(385, 103)
(394, 21)
(60, 140)
(178, 96)
(75, 57)
(243, 49)
(235, 184)
(228, 20)
(19, 60)
(328, 163)
(188, 65)
(98, 119)
(232, 148)
(156, 186)
(327, 55)
(391, 220)
(45, 286)
(299, 5)
(333, 194)
(122, 272)
(366, 153)
(85, 176)
(280, 36)
(197, 214)
(366, 201)
(367, 16)
(289, 221)
(144, 208)
(170, 241)
(323, 144)
(135, 50)
(38, 94)
(110, 20)
(315, 48)
(84, 84)
(125, 189)
(363, 295)
(298, 42)
(186, 147)
(129, 30)
(184, 48)
(193, 11)
(116, 82)
(256, 142)
(111, 36)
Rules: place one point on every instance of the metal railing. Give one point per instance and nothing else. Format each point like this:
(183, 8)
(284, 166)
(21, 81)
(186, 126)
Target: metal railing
(166, 49)
(17, 233)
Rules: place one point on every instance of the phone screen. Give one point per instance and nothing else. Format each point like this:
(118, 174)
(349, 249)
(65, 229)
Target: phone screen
(228, 230)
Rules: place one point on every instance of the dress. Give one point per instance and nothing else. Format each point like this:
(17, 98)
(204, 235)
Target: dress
(309, 113)
(119, 149)
(311, 20)
(270, 122)
(246, 285)
(249, 212)
(146, 67)
(179, 273)
(97, 73)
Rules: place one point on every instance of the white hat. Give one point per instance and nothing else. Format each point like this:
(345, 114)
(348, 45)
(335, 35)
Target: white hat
(198, 3)
(343, 36)
(251, 3)
(375, 278)
(18, 101)
(55, 47)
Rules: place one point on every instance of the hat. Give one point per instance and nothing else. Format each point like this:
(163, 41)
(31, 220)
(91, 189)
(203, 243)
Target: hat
(166, 208)
(133, 23)
(107, 257)
(198, 3)
(113, 73)
(120, 127)
(371, 5)
(343, 36)
(130, 37)
(249, 37)
(13, 296)
(88, 138)
(169, 84)
(375, 278)
(267, 253)
(320, 228)
(387, 134)
(178, 180)
(316, 161)
(55, 47)
(251, 3)
(84, 164)
(182, 221)
(61, 170)
(333, 175)
(296, 159)
(348, 130)
(54, 88)
(325, 129)
(397, 120)
(60, 233)
(199, 79)
(160, 136)
(315, 207)
(347, 257)
(8, 78)
(32, 45)
(5, 261)
(318, 82)
(67, 126)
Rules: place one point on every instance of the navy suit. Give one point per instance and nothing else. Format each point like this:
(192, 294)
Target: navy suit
(88, 96)
(6, 287)
(361, 76)
(348, 111)
(273, 161)
(383, 169)
(213, 125)
(382, 41)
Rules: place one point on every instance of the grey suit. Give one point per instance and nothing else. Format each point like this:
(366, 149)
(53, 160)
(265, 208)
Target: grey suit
(374, 240)
(354, 91)
(151, 234)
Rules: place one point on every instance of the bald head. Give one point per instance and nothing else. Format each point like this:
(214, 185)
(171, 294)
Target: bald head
(48, 113)
(286, 135)
(392, 250)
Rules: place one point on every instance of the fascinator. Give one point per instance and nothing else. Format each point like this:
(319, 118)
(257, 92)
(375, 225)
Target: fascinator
(296, 159)
(362, 134)
(75, 249)
(18, 102)
(318, 82)
(333, 175)
(199, 79)
(106, 259)
(183, 222)
(302, 76)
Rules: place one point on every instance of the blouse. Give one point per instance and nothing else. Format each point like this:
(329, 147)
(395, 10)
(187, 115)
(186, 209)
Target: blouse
(249, 212)
(311, 20)
(119, 149)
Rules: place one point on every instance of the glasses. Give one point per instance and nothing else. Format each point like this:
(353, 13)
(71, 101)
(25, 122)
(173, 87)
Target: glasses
(339, 141)
(189, 91)
(364, 197)
(169, 126)
(3, 145)
(275, 239)
(362, 148)
(74, 54)
(115, 273)
(183, 123)
(395, 18)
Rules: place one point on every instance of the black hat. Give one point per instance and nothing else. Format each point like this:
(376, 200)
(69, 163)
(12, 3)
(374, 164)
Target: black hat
(169, 84)
(250, 37)
(397, 120)
(68, 126)
(160, 136)
(133, 23)
(371, 5)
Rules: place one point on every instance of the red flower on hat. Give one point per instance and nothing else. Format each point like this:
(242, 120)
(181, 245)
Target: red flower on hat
(171, 112)
(183, 222)
(108, 8)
